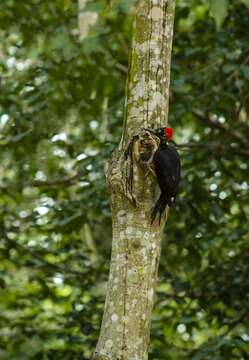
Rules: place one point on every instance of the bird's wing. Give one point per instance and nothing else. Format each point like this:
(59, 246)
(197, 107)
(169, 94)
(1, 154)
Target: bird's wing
(167, 168)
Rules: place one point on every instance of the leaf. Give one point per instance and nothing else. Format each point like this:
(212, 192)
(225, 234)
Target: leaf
(218, 9)
(124, 5)
(67, 5)
(245, 71)
(245, 2)
(228, 68)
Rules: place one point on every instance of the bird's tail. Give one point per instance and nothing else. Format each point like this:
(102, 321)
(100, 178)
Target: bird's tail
(160, 207)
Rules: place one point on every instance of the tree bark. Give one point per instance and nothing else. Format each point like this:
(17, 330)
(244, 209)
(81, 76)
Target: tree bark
(125, 328)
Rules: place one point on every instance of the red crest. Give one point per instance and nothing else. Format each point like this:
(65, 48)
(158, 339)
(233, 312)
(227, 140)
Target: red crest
(168, 133)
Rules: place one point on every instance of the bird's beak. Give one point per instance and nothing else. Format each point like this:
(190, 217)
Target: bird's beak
(150, 130)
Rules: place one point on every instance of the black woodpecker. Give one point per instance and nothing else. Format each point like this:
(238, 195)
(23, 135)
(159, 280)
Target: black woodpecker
(167, 168)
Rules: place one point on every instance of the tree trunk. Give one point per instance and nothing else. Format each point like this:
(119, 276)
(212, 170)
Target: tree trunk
(125, 328)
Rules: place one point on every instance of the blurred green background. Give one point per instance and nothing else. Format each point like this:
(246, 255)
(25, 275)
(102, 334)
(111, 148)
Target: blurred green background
(61, 111)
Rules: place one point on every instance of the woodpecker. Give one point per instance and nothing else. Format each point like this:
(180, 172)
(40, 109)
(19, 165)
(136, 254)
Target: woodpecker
(167, 167)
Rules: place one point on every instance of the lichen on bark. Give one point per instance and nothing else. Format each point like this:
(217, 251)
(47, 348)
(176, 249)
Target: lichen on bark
(125, 328)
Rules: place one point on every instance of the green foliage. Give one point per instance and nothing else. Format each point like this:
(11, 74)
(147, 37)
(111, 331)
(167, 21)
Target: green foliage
(218, 9)
(245, 2)
(61, 110)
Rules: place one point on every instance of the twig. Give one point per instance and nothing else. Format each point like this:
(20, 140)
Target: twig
(215, 124)
(122, 68)
(55, 182)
